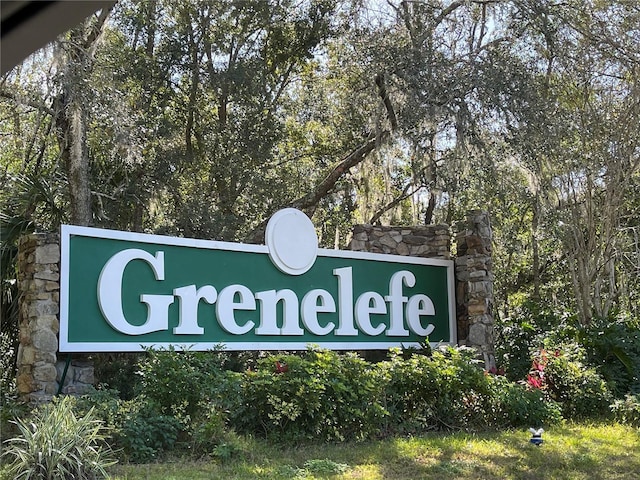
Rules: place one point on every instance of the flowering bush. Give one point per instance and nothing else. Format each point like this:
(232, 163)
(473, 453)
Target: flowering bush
(580, 390)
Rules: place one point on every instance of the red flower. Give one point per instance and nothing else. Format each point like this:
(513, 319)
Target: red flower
(281, 367)
(534, 381)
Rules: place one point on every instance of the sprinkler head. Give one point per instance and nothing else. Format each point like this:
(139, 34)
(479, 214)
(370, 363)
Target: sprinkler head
(536, 436)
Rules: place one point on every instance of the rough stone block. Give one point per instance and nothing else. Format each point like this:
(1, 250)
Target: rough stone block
(477, 309)
(414, 240)
(27, 355)
(387, 241)
(47, 322)
(43, 307)
(60, 371)
(47, 254)
(84, 375)
(355, 245)
(45, 357)
(402, 249)
(25, 384)
(44, 373)
(480, 287)
(478, 274)
(47, 275)
(45, 340)
(477, 334)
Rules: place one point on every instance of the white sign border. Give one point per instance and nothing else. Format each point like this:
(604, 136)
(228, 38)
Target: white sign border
(65, 346)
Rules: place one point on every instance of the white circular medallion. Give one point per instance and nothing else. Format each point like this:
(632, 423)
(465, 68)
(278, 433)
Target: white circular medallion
(292, 241)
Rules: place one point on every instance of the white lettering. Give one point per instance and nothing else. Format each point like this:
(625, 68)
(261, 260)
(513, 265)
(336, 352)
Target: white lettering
(110, 293)
(189, 299)
(364, 309)
(227, 304)
(420, 305)
(402, 311)
(268, 302)
(395, 299)
(345, 301)
(310, 309)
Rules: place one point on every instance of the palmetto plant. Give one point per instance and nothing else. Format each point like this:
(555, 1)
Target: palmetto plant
(54, 443)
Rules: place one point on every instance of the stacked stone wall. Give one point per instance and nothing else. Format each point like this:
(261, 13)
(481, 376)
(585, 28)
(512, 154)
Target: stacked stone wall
(40, 369)
(430, 241)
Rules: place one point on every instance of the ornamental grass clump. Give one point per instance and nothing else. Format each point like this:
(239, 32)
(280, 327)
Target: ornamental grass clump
(54, 443)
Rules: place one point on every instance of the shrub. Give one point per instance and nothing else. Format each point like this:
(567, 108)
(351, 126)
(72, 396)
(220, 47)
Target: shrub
(209, 433)
(143, 432)
(627, 410)
(319, 394)
(10, 409)
(117, 371)
(515, 405)
(140, 432)
(443, 391)
(56, 444)
(515, 336)
(178, 382)
(580, 390)
(612, 345)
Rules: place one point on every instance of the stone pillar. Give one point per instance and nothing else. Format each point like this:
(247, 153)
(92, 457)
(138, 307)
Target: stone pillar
(431, 241)
(39, 287)
(39, 368)
(474, 285)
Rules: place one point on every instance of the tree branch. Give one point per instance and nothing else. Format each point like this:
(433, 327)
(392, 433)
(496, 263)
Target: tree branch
(384, 95)
(25, 101)
(405, 194)
(309, 202)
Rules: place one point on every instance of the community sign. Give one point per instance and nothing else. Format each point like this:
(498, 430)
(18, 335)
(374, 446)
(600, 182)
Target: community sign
(124, 292)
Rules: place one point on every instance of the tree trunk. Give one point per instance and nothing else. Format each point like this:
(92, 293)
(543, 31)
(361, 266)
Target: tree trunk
(77, 58)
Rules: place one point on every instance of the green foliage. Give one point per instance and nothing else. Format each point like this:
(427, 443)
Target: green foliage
(117, 371)
(210, 435)
(579, 389)
(627, 410)
(612, 345)
(177, 382)
(226, 449)
(195, 406)
(7, 367)
(519, 334)
(445, 390)
(56, 444)
(320, 394)
(143, 432)
(335, 397)
(11, 408)
(515, 405)
(325, 467)
(140, 433)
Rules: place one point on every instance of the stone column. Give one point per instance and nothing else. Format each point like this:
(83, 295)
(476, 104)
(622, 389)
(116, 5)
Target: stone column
(39, 367)
(39, 287)
(474, 285)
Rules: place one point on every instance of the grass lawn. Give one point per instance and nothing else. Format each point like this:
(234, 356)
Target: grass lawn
(571, 451)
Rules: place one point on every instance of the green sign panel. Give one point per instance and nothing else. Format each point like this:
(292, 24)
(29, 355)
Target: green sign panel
(126, 291)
